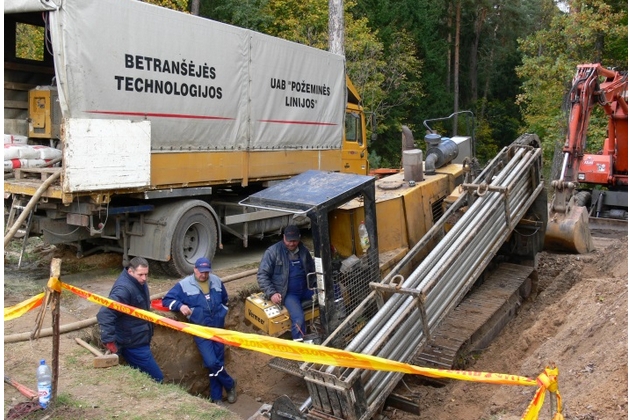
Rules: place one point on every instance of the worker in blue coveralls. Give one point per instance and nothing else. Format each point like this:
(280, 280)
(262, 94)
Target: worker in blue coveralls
(202, 298)
(282, 277)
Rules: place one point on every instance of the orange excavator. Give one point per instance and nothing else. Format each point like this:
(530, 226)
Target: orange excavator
(591, 185)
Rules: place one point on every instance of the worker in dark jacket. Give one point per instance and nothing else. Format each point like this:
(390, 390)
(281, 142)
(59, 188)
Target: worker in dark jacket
(202, 298)
(282, 277)
(126, 334)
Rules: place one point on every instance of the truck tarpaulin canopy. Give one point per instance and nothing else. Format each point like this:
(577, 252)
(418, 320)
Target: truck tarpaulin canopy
(203, 85)
(21, 6)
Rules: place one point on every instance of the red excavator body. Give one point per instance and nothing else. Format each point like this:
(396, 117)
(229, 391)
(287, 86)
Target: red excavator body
(591, 185)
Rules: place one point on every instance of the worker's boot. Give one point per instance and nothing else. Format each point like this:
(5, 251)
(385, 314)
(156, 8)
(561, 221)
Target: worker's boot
(231, 394)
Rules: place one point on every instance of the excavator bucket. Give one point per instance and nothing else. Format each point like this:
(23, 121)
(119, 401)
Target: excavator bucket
(569, 231)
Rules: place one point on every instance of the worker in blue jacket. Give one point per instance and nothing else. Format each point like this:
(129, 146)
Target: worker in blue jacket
(126, 334)
(202, 298)
(282, 276)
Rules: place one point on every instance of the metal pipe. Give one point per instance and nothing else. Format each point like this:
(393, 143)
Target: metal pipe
(457, 274)
(440, 271)
(477, 245)
(404, 344)
(446, 244)
(448, 272)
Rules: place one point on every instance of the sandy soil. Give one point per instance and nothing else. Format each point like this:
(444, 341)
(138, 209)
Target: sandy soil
(578, 322)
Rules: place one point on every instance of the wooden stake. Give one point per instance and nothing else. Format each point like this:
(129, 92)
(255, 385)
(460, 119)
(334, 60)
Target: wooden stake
(55, 271)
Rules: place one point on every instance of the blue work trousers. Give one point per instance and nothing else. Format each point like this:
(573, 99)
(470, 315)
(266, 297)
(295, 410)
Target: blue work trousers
(141, 358)
(213, 355)
(293, 303)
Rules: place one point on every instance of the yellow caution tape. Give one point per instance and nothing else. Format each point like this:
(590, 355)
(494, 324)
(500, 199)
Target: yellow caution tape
(299, 351)
(21, 308)
(546, 381)
(54, 284)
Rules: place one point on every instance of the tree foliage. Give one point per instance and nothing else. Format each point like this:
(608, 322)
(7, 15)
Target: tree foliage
(590, 32)
(249, 14)
(29, 42)
(179, 5)
(516, 62)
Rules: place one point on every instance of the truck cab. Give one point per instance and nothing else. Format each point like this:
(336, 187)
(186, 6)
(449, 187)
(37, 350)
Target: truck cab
(354, 152)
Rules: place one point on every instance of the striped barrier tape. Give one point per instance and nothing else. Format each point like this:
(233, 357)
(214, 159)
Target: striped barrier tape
(20, 309)
(546, 381)
(302, 352)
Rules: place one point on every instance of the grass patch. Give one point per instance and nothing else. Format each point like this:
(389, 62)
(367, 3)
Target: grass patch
(13, 250)
(68, 400)
(121, 392)
(72, 360)
(22, 287)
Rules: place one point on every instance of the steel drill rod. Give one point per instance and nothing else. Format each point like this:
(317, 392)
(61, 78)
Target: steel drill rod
(443, 245)
(465, 270)
(499, 214)
(492, 229)
(402, 338)
(404, 349)
(493, 235)
(472, 225)
(402, 343)
(469, 222)
(392, 322)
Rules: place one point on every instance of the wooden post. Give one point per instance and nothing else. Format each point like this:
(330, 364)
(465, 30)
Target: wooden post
(55, 271)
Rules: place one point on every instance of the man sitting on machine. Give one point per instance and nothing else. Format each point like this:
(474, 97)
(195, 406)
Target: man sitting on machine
(282, 277)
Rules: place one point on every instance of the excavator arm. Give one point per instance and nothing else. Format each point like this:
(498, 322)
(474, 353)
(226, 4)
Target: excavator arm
(568, 219)
(595, 85)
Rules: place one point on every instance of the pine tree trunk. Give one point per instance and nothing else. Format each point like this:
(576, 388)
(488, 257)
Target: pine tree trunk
(194, 7)
(458, 14)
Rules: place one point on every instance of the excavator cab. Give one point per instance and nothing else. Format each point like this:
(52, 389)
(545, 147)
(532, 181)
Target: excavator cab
(569, 215)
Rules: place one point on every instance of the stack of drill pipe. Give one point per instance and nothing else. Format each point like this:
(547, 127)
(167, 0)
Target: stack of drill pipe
(449, 271)
(445, 275)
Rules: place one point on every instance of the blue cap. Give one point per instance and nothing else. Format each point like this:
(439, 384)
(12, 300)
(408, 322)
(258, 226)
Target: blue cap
(203, 265)
(292, 233)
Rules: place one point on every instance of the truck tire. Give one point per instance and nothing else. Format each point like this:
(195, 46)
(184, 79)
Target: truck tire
(195, 236)
(583, 198)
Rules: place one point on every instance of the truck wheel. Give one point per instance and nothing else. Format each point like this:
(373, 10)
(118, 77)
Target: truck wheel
(583, 198)
(195, 236)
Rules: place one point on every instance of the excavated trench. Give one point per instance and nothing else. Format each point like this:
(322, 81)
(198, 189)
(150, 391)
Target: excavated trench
(179, 359)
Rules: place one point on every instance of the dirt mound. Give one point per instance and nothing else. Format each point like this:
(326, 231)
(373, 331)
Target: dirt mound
(578, 322)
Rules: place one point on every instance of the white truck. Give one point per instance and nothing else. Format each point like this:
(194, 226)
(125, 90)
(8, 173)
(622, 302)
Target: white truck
(165, 121)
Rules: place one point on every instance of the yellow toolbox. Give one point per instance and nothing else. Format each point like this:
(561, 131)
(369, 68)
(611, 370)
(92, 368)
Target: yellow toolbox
(271, 318)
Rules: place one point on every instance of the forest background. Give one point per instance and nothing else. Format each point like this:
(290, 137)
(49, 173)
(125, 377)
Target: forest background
(509, 62)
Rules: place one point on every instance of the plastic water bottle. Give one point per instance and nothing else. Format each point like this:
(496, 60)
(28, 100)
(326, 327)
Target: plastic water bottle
(44, 383)
(364, 238)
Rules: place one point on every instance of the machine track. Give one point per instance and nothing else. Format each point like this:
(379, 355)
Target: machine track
(479, 318)
(471, 326)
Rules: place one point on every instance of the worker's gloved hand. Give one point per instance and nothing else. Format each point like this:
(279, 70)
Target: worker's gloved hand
(111, 347)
